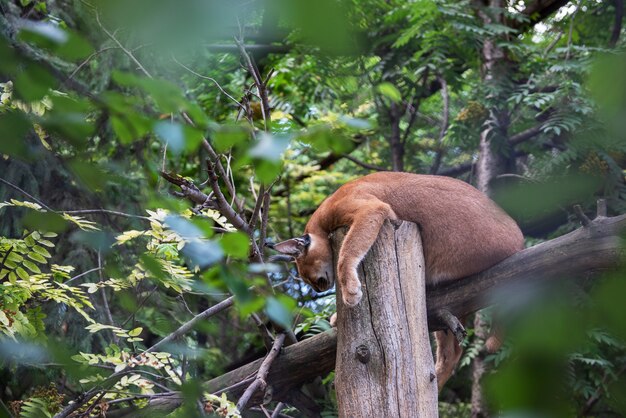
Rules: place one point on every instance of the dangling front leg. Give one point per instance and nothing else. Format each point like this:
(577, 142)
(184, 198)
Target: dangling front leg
(363, 232)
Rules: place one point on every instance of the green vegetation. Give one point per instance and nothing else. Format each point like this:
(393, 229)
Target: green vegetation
(149, 150)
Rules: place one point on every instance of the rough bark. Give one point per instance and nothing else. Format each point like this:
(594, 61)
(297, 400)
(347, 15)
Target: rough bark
(395, 138)
(593, 248)
(493, 160)
(384, 360)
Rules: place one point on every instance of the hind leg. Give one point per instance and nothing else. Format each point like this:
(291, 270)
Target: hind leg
(448, 355)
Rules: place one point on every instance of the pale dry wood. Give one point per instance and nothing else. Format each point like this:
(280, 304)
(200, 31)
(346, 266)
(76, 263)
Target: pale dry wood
(384, 360)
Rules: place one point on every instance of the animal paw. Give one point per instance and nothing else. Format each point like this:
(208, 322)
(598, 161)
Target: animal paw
(352, 293)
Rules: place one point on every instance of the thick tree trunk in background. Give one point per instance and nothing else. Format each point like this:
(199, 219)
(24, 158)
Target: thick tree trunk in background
(494, 159)
(384, 359)
(395, 138)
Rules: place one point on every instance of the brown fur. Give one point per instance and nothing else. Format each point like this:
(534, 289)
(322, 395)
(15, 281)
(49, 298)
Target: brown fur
(462, 230)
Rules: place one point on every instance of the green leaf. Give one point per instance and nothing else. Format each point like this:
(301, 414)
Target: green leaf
(61, 42)
(229, 136)
(33, 83)
(269, 147)
(178, 137)
(37, 257)
(92, 176)
(279, 310)
(22, 273)
(167, 95)
(235, 244)
(390, 91)
(31, 266)
(42, 251)
(45, 221)
(135, 332)
(13, 129)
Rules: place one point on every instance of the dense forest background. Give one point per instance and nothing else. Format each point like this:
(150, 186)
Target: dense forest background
(150, 149)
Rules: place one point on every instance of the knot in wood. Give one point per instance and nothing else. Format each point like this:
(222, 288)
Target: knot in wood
(363, 354)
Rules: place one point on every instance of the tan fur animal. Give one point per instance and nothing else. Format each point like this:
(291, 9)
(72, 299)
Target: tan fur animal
(463, 232)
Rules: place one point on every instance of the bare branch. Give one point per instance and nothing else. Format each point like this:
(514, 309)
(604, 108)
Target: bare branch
(187, 326)
(260, 383)
(584, 220)
(89, 58)
(364, 164)
(214, 81)
(222, 205)
(258, 81)
(257, 206)
(525, 135)
(122, 47)
(8, 183)
(106, 211)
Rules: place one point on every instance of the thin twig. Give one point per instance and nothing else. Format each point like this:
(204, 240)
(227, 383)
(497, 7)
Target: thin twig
(258, 81)
(187, 326)
(364, 164)
(105, 302)
(259, 381)
(8, 183)
(122, 47)
(257, 207)
(89, 58)
(82, 274)
(214, 81)
(107, 211)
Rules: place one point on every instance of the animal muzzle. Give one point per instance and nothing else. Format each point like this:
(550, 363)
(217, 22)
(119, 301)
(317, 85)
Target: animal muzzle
(322, 284)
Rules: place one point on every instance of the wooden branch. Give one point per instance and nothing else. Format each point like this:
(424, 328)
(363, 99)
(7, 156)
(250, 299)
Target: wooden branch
(363, 164)
(525, 135)
(258, 81)
(260, 383)
(584, 220)
(590, 249)
(187, 326)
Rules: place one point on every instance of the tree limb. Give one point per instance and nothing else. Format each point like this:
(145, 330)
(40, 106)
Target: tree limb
(364, 164)
(260, 383)
(592, 248)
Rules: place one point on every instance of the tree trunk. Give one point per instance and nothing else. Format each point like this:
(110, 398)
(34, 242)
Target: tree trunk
(395, 138)
(384, 359)
(494, 159)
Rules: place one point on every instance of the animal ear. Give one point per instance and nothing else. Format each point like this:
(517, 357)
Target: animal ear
(277, 258)
(294, 246)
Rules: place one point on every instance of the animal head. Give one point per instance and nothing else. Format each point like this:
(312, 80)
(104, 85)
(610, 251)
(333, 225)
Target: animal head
(313, 258)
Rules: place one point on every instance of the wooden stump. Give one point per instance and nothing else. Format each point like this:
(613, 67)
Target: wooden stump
(384, 359)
